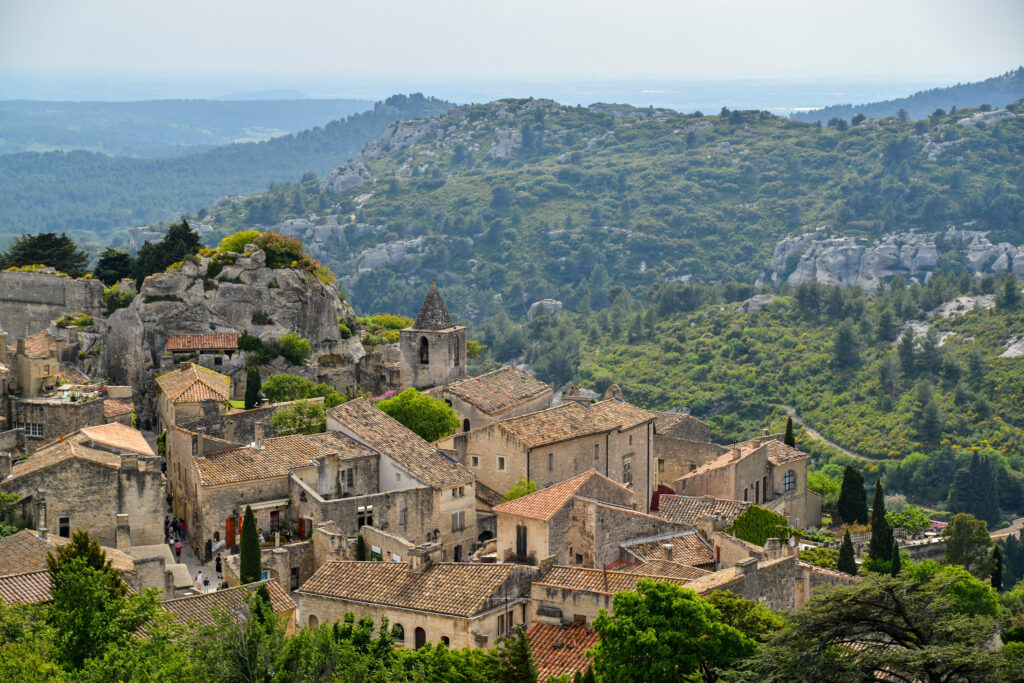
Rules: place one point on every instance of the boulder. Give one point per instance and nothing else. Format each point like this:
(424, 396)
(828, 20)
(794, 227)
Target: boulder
(345, 177)
(550, 307)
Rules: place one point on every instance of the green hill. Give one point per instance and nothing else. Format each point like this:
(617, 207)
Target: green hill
(998, 91)
(96, 197)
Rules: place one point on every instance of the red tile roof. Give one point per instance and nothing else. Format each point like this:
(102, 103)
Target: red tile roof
(687, 548)
(113, 407)
(596, 580)
(25, 589)
(25, 552)
(199, 609)
(202, 342)
(37, 345)
(689, 509)
(561, 648)
(672, 570)
(498, 391)
(116, 435)
(193, 383)
(545, 503)
(573, 420)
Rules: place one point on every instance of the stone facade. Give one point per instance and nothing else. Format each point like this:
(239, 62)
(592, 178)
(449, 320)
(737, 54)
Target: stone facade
(29, 301)
(238, 426)
(46, 418)
(433, 350)
(676, 457)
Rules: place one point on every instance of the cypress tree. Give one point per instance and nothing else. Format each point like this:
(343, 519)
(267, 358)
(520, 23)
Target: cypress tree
(847, 562)
(997, 567)
(894, 567)
(253, 384)
(360, 548)
(881, 533)
(853, 503)
(789, 439)
(517, 659)
(249, 553)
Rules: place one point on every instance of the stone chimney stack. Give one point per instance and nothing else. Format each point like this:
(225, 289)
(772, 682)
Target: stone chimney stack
(257, 434)
(774, 548)
(667, 549)
(20, 347)
(419, 557)
(123, 534)
(42, 519)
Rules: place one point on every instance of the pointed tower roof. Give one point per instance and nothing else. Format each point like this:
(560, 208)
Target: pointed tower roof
(433, 314)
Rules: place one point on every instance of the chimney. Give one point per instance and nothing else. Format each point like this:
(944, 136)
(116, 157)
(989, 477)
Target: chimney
(774, 548)
(257, 434)
(42, 520)
(5, 465)
(123, 534)
(764, 432)
(20, 347)
(667, 548)
(419, 557)
(604, 575)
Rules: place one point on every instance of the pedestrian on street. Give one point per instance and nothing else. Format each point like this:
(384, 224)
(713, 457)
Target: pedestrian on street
(177, 549)
(199, 580)
(220, 568)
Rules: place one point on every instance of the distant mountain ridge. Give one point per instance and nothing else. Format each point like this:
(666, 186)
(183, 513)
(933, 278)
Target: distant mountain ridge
(997, 91)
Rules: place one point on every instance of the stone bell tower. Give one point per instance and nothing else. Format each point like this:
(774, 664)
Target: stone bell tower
(434, 348)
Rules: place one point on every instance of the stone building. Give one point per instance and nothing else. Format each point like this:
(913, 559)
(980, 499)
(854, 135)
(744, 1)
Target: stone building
(502, 393)
(210, 350)
(35, 360)
(237, 424)
(51, 416)
(762, 471)
(460, 604)
(682, 443)
(433, 350)
(88, 480)
(182, 392)
(559, 443)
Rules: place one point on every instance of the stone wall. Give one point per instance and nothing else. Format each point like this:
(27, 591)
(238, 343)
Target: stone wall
(597, 530)
(446, 361)
(29, 301)
(238, 426)
(677, 457)
(12, 440)
(57, 416)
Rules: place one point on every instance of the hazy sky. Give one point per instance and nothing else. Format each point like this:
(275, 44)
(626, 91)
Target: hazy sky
(942, 40)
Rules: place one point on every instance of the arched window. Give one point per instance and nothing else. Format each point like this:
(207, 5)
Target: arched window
(424, 351)
(789, 480)
(446, 641)
(465, 425)
(312, 621)
(420, 637)
(399, 632)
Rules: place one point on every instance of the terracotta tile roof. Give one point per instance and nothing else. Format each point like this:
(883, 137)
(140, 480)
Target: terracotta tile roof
(460, 589)
(199, 609)
(543, 504)
(193, 383)
(113, 407)
(25, 589)
(59, 452)
(560, 648)
(378, 430)
(665, 422)
(687, 548)
(572, 420)
(37, 345)
(115, 435)
(202, 342)
(498, 391)
(779, 453)
(25, 552)
(278, 456)
(67, 373)
(486, 495)
(689, 509)
(595, 580)
(672, 570)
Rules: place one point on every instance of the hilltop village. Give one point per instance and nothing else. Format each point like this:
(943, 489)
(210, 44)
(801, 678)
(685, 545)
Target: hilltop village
(147, 429)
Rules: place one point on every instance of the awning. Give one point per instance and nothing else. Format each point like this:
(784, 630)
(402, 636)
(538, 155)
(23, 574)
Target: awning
(280, 503)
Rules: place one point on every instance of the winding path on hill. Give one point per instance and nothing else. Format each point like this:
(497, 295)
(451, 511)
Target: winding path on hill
(818, 436)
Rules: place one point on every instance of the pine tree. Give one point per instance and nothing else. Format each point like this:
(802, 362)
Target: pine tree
(853, 503)
(997, 567)
(360, 548)
(908, 352)
(249, 554)
(880, 548)
(895, 566)
(847, 562)
(975, 490)
(789, 439)
(252, 388)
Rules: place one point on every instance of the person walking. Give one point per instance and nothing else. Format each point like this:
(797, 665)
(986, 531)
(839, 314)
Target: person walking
(199, 580)
(219, 567)
(177, 549)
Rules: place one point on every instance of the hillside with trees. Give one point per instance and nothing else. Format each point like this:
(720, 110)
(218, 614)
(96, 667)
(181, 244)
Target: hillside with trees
(998, 91)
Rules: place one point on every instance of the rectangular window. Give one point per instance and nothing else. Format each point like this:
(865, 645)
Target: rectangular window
(579, 558)
(474, 461)
(459, 520)
(501, 625)
(31, 428)
(627, 470)
(501, 463)
(350, 475)
(365, 515)
(401, 512)
(64, 527)
(521, 540)
(744, 493)
(597, 451)
(295, 579)
(551, 461)
(630, 439)
(462, 492)
(661, 465)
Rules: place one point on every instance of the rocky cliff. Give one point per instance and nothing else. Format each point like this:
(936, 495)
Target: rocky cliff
(195, 298)
(849, 261)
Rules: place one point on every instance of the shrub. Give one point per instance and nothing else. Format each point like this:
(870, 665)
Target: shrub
(301, 418)
(281, 250)
(429, 417)
(385, 321)
(248, 342)
(294, 348)
(236, 242)
(114, 298)
(213, 268)
(79, 320)
(757, 525)
(261, 318)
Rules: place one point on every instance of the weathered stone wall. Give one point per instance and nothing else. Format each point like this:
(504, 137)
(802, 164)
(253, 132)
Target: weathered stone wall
(597, 530)
(29, 301)
(238, 426)
(551, 605)
(447, 357)
(12, 439)
(58, 416)
(677, 457)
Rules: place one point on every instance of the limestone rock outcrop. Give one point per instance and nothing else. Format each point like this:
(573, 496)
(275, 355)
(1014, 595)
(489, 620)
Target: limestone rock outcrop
(345, 177)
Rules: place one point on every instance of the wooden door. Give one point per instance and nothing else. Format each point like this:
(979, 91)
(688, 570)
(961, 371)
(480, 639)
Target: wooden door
(275, 520)
(229, 532)
(302, 528)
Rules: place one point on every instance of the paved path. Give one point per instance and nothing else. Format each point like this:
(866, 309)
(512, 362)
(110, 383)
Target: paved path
(818, 436)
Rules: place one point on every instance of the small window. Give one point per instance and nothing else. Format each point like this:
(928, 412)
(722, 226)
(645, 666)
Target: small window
(579, 558)
(627, 470)
(661, 464)
(501, 463)
(424, 352)
(744, 493)
(313, 621)
(350, 477)
(501, 625)
(398, 631)
(444, 639)
(630, 439)
(693, 468)
(402, 515)
(465, 425)
(365, 515)
(551, 461)
(64, 528)
(295, 579)
(789, 480)
(459, 520)
(474, 461)
(597, 451)
(579, 618)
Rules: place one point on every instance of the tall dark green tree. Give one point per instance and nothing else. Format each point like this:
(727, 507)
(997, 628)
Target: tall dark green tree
(996, 565)
(907, 349)
(113, 266)
(975, 490)
(845, 348)
(847, 560)
(967, 544)
(47, 249)
(517, 663)
(895, 566)
(790, 438)
(853, 502)
(880, 547)
(252, 387)
(250, 568)
(360, 548)
(85, 548)
(154, 257)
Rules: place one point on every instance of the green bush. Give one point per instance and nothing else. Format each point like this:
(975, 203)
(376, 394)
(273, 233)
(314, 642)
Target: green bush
(261, 318)
(248, 342)
(236, 242)
(757, 525)
(294, 348)
(429, 417)
(114, 298)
